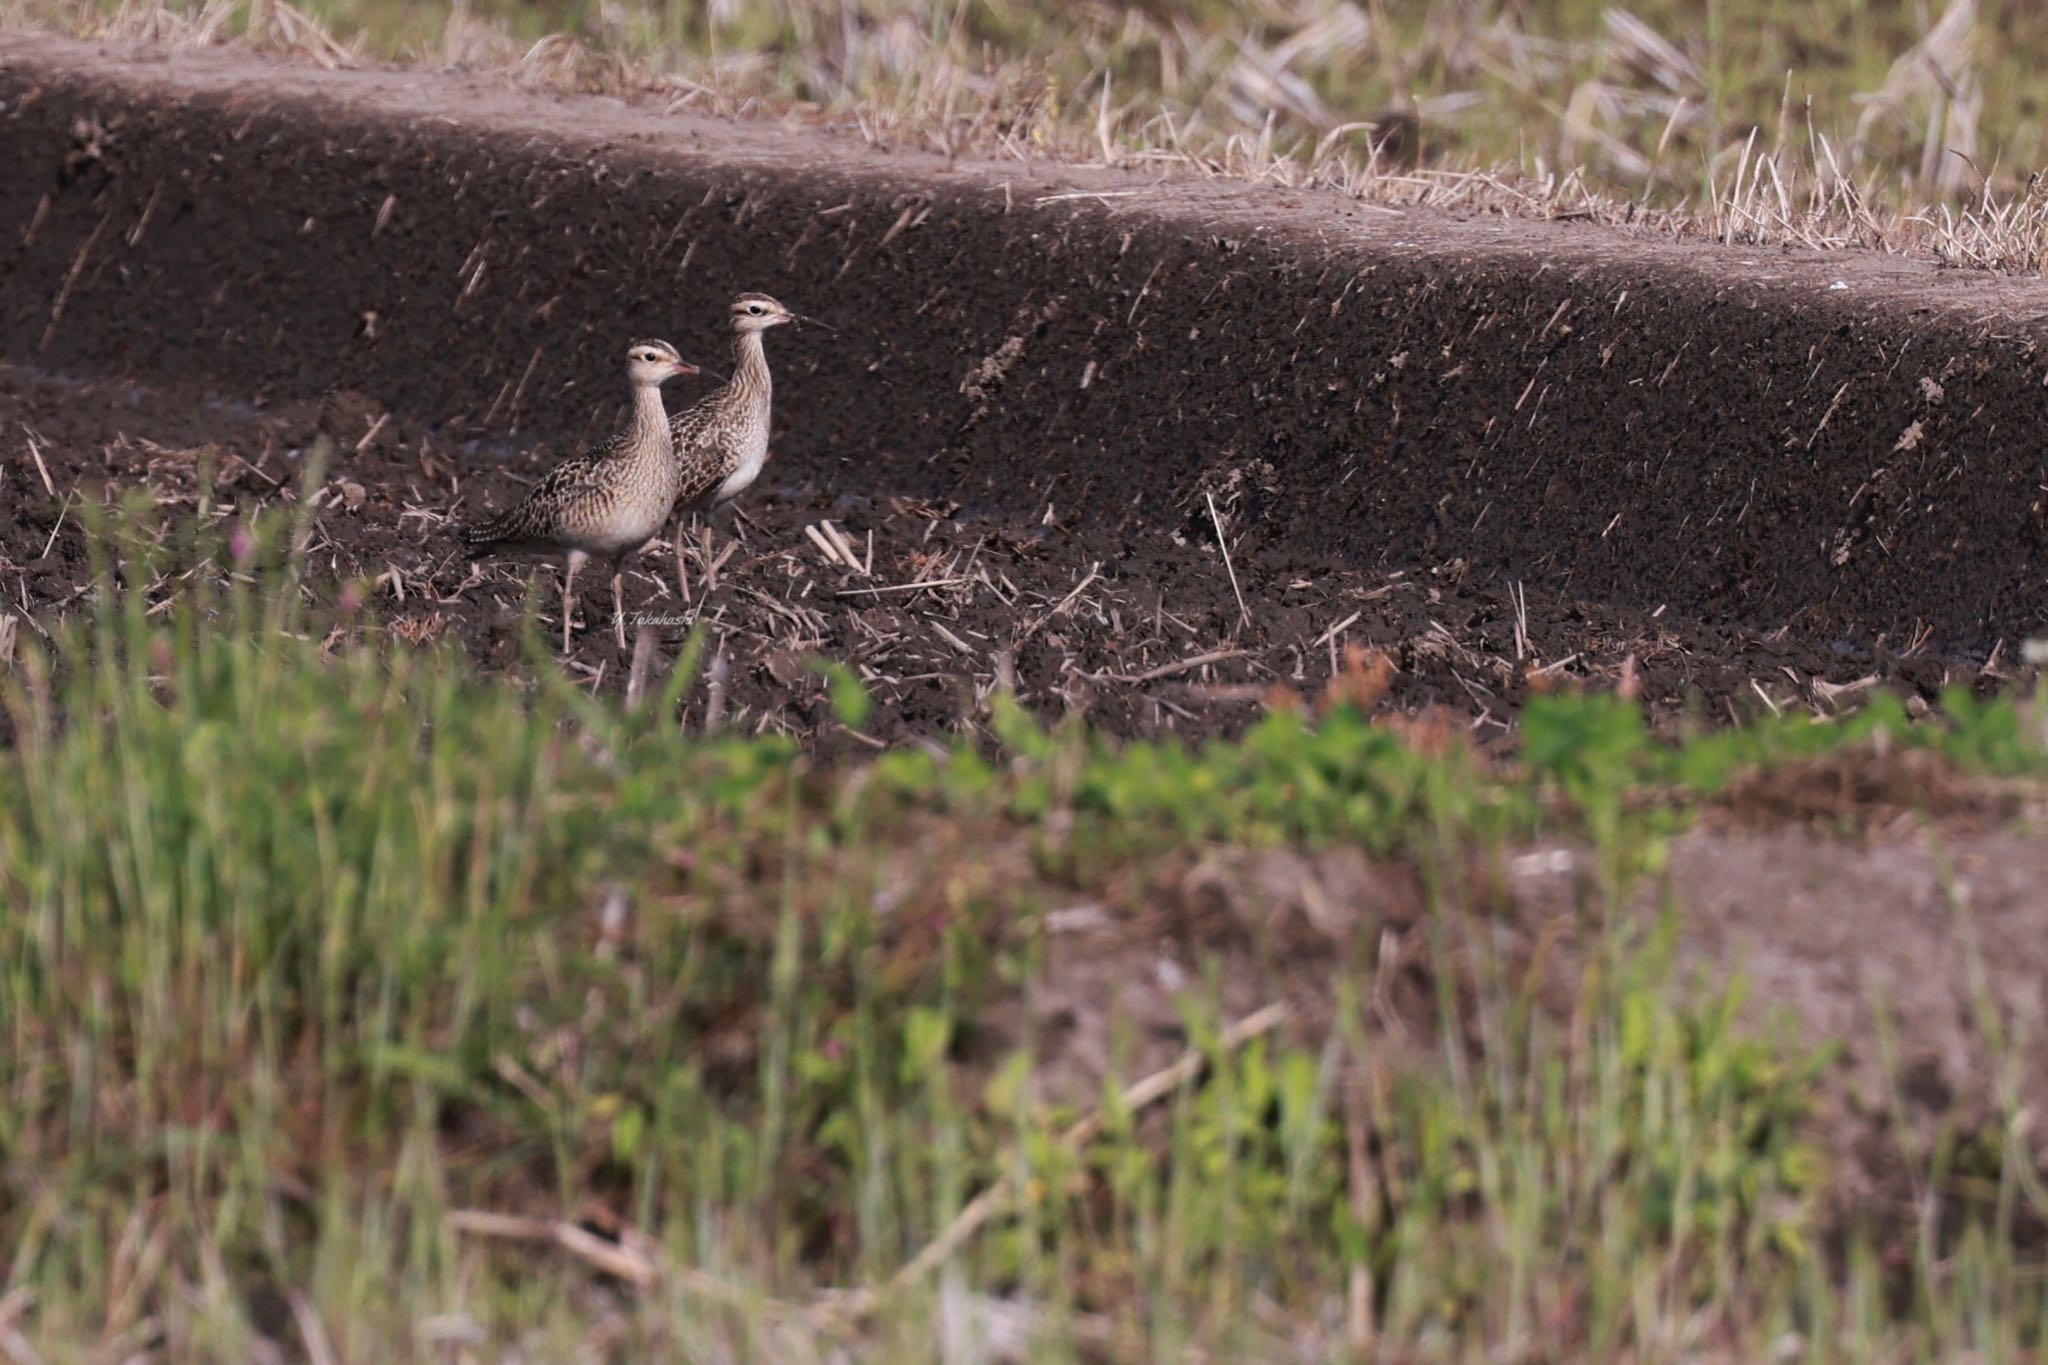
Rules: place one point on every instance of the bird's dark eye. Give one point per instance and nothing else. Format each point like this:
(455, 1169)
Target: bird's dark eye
(754, 308)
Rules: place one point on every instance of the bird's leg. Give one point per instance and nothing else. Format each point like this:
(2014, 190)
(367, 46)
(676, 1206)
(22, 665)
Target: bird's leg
(575, 562)
(682, 563)
(618, 605)
(708, 541)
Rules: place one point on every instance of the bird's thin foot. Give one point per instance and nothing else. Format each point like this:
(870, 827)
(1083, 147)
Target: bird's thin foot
(709, 561)
(569, 602)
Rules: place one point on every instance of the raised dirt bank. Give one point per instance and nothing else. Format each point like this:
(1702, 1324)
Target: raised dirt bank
(1843, 444)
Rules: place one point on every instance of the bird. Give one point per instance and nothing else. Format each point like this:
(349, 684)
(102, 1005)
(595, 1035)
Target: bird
(721, 441)
(607, 503)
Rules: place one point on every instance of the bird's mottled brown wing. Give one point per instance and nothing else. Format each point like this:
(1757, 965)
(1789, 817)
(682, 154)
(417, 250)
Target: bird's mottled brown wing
(535, 515)
(688, 426)
(566, 480)
(701, 477)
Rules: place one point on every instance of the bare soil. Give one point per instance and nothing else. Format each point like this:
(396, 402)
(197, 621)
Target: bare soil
(1140, 632)
(1739, 465)
(1510, 455)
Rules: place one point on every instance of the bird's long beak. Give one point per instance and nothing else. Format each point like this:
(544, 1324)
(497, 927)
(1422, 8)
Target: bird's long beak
(684, 367)
(802, 321)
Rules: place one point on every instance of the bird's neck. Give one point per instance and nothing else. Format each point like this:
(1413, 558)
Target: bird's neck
(750, 366)
(650, 422)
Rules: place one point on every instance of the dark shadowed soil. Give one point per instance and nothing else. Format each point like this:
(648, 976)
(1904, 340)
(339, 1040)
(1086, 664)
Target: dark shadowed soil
(1140, 630)
(1509, 455)
(1841, 448)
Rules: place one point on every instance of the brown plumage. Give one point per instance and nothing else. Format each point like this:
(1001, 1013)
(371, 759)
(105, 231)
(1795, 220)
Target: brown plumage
(721, 442)
(606, 504)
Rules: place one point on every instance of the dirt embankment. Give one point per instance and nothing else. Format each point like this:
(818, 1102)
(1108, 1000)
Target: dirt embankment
(1839, 444)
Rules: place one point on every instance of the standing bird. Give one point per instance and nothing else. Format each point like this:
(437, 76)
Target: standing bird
(722, 440)
(608, 503)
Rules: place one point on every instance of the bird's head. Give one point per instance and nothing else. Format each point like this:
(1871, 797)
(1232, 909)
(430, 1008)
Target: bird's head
(758, 312)
(653, 362)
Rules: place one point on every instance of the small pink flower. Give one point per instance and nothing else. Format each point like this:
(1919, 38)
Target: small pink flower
(241, 544)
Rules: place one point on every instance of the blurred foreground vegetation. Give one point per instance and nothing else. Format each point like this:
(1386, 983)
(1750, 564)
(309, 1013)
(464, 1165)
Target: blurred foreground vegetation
(356, 1007)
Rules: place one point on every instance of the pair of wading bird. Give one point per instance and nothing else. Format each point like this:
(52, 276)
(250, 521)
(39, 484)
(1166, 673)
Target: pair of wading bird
(610, 503)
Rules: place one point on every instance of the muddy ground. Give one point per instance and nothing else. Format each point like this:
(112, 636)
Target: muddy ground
(1779, 460)
(1139, 629)
(1512, 456)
